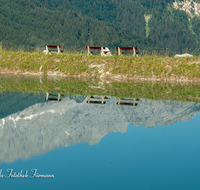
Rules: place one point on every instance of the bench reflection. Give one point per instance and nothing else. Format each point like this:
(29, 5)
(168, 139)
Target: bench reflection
(96, 99)
(53, 96)
(127, 101)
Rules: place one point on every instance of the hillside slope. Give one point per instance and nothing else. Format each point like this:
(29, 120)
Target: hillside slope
(174, 29)
(30, 24)
(154, 24)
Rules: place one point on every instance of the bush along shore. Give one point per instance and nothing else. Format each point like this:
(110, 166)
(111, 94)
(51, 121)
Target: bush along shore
(116, 67)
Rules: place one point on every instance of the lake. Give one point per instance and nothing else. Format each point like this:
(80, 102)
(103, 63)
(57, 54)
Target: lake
(87, 134)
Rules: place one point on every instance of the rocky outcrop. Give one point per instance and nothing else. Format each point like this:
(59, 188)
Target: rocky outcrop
(189, 6)
(45, 126)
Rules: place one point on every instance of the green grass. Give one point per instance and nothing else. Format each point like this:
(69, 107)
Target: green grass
(79, 64)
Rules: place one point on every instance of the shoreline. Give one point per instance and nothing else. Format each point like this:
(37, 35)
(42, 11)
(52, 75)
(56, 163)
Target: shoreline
(107, 77)
(165, 90)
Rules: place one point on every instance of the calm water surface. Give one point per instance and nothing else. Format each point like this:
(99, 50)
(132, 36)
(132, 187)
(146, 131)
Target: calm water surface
(154, 145)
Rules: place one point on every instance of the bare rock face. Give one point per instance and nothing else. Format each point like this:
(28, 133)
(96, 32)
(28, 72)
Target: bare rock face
(190, 6)
(45, 126)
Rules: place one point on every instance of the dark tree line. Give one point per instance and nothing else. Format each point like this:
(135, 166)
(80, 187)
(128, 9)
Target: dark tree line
(75, 24)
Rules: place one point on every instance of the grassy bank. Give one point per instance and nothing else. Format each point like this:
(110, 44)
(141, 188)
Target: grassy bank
(155, 67)
(149, 90)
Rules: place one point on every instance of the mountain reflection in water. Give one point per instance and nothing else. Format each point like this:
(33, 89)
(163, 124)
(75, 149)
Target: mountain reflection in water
(43, 126)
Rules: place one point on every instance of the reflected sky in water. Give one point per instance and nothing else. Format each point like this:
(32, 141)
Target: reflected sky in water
(165, 157)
